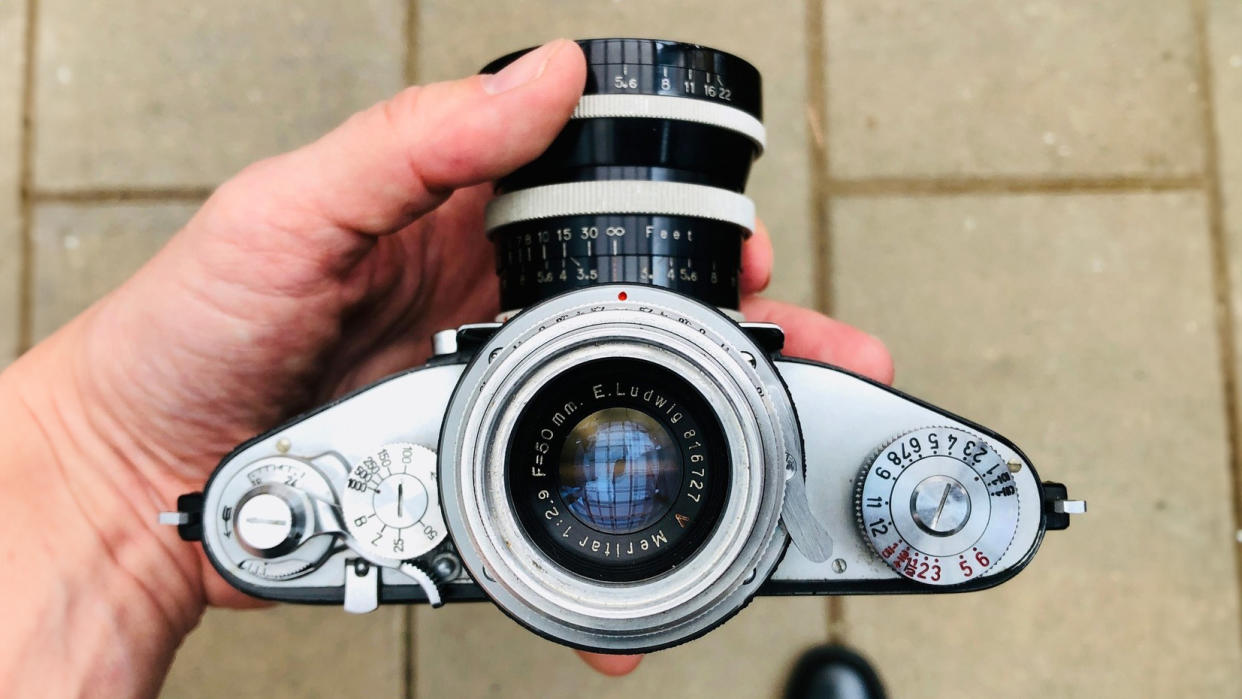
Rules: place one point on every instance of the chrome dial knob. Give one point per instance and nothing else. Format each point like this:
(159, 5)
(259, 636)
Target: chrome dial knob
(391, 504)
(938, 505)
(269, 519)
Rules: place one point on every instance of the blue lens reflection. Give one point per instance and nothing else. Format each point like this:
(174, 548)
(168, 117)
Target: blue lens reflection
(620, 470)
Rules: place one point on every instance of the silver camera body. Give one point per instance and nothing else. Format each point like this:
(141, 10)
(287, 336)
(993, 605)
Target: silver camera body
(806, 443)
(623, 465)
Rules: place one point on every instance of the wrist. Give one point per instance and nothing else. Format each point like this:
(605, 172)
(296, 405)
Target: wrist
(82, 537)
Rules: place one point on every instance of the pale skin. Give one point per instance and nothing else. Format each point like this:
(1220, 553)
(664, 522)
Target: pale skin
(305, 276)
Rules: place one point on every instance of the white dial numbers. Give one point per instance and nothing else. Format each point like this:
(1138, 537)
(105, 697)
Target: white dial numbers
(938, 505)
(391, 504)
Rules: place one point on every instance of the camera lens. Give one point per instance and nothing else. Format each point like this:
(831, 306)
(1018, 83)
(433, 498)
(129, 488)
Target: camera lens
(644, 185)
(618, 469)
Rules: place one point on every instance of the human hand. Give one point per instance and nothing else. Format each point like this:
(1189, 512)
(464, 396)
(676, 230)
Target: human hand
(304, 277)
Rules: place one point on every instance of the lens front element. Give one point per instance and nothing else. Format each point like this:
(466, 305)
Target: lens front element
(618, 470)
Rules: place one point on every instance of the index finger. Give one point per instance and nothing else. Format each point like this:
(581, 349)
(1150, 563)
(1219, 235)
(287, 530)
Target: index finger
(757, 260)
(816, 336)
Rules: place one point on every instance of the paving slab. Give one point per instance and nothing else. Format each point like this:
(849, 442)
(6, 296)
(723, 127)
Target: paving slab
(83, 251)
(12, 64)
(164, 95)
(476, 651)
(1081, 326)
(1042, 88)
(292, 651)
(457, 37)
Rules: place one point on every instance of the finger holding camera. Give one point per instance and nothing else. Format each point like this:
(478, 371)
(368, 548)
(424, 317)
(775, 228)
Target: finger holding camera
(306, 276)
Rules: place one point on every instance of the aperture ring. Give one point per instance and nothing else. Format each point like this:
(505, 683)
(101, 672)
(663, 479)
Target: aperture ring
(621, 197)
(662, 67)
(669, 107)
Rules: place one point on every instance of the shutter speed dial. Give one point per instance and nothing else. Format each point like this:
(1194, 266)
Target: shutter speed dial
(391, 504)
(938, 505)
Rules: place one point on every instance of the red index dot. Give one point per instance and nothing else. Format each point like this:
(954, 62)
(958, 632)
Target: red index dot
(622, 296)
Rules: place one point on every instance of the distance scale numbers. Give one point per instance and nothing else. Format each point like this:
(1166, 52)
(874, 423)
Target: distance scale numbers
(695, 256)
(527, 243)
(391, 504)
(938, 505)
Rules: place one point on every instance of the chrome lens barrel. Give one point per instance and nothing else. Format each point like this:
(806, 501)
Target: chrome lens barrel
(495, 470)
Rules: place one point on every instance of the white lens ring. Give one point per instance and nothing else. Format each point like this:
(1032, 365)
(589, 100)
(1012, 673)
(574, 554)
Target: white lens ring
(621, 197)
(676, 108)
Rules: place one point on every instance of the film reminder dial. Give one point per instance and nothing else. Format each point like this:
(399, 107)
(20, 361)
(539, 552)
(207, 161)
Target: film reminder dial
(391, 504)
(644, 184)
(938, 505)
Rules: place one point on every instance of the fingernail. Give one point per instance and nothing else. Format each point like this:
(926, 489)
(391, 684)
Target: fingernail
(521, 71)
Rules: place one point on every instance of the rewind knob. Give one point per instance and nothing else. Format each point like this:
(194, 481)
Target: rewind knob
(271, 520)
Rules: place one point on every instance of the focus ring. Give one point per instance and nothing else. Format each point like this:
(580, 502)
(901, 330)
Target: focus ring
(678, 108)
(621, 197)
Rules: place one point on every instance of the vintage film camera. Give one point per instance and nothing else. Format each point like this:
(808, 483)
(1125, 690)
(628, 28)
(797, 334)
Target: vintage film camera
(623, 462)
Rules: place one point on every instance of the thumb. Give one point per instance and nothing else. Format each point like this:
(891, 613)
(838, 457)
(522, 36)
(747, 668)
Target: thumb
(388, 165)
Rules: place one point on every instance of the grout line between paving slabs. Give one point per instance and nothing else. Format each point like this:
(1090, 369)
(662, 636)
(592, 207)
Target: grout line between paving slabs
(25, 169)
(1220, 271)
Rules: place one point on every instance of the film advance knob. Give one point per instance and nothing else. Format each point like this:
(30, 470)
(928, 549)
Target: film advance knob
(271, 520)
